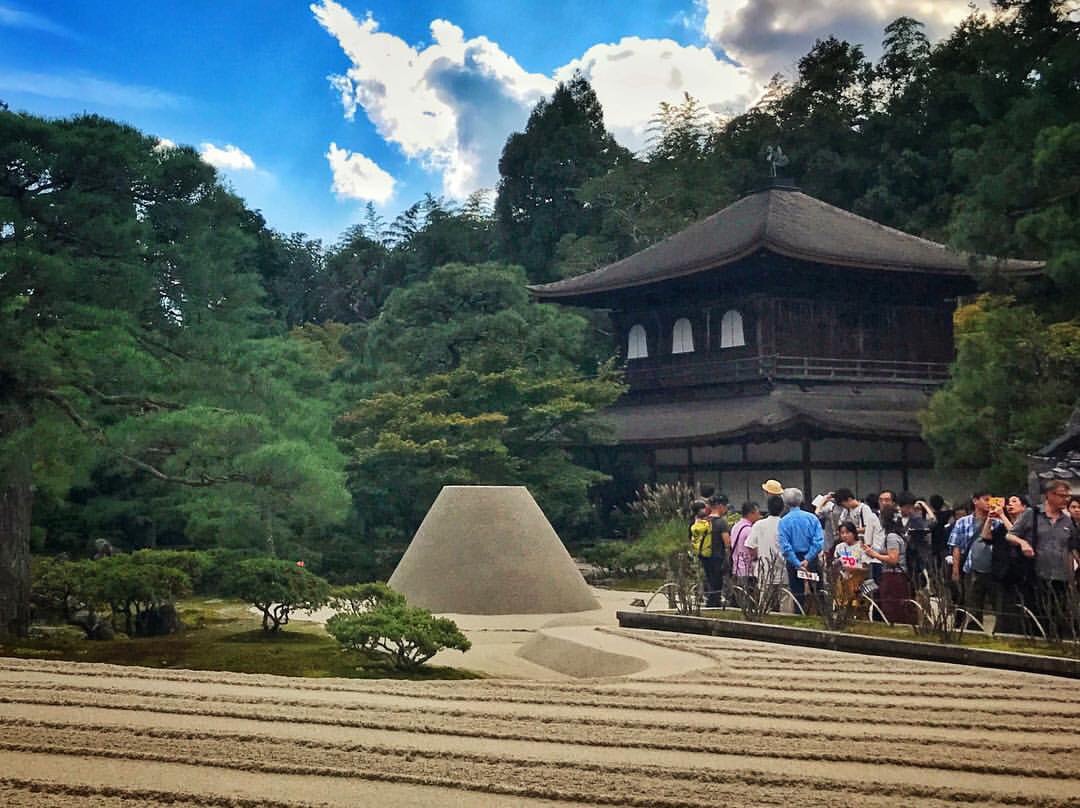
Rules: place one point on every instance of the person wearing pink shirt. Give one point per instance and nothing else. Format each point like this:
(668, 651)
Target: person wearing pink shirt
(742, 558)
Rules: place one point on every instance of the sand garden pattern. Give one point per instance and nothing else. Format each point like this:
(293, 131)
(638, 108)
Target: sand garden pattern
(759, 724)
(576, 711)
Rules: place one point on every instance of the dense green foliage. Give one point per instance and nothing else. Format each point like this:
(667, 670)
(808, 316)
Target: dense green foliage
(470, 382)
(138, 366)
(408, 635)
(656, 521)
(276, 588)
(139, 589)
(175, 373)
(360, 598)
(1014, 382)
(564, 144)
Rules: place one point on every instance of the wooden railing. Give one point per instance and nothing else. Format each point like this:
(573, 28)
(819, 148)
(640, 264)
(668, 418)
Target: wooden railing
(689, 370)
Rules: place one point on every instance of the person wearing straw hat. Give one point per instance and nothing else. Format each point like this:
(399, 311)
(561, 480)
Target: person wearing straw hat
(772, 487)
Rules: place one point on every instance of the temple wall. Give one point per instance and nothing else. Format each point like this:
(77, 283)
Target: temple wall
(875, 464)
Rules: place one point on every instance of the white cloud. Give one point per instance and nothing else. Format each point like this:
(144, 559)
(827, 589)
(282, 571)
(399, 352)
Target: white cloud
(230, 158)
(633, 76)
(86, 89)
(452, 102)
(770, 36)
(11, 17)
(449, 104)
(358, 177)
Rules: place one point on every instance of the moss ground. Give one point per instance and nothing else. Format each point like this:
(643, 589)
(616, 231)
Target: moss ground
(225, 636)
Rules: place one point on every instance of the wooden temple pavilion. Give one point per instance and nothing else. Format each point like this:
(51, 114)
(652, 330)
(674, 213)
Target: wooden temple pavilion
(785, 338)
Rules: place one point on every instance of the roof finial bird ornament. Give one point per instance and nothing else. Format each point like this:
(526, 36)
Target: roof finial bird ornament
(776, 158)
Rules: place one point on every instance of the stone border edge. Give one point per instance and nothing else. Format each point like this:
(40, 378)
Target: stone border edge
(853, 643)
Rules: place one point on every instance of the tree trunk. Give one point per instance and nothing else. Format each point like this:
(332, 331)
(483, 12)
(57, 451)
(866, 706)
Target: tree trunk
(16, 497)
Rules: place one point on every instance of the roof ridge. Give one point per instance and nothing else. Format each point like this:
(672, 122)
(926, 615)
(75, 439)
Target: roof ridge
(764, 234)
(789, 222)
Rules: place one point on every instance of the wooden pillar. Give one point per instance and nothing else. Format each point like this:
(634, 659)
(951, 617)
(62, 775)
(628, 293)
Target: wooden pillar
(759, 330)
(690, 477)
(652, 466)
(807, 481)
(904, 464)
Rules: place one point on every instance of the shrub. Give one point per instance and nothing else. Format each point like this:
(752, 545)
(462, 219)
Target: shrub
(276, 588)
(409, 635)
(141, 590)
(68, 590)
(665, 543)
(664, 502)
(193, 563)
(662, 541)
(220, 562)
(606, 557)
(361, 598)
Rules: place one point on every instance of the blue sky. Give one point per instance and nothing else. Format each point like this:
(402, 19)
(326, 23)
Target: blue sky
(312, 109)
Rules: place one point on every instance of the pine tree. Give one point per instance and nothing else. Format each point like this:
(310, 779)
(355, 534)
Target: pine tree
(541, 169)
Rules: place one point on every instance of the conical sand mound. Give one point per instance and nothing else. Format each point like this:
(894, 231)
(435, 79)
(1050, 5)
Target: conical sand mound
(490, 550)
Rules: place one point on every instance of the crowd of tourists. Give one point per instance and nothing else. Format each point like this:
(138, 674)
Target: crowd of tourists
(1002, 562)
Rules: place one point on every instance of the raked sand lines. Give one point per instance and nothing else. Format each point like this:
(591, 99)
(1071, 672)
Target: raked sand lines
(768, 725)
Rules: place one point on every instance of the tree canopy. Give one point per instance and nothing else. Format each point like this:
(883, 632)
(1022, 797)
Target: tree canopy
(541, 170)
(174, 372)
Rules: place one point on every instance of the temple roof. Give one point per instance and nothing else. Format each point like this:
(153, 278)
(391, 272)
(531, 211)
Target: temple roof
(787, 222)
(1061, 457)
(877, 411)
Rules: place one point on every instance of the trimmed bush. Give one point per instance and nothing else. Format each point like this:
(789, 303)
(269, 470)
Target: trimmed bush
(276, 588)
(361, 598)
(408, 635)
(141, 589)
(193, 563)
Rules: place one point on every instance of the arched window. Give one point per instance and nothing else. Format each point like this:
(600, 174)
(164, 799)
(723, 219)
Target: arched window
(682, 337)
(731, 331)
(637, 346)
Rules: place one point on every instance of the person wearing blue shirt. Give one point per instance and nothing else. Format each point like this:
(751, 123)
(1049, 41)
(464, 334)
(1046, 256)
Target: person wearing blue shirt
(801, 540)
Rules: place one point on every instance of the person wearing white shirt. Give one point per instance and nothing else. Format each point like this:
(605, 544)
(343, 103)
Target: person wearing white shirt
(764, 545)
(866, 521)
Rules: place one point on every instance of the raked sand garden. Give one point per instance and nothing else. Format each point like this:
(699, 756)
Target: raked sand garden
(574, 711)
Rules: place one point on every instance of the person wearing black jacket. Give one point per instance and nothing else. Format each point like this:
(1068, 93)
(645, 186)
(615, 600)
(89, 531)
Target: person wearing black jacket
(939, 533)
(1009, 570)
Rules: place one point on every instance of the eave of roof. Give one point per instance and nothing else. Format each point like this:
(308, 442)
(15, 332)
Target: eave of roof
(786, 222)
(879, 412)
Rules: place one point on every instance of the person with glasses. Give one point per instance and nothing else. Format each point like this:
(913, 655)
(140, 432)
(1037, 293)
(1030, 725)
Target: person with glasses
(1048, 535)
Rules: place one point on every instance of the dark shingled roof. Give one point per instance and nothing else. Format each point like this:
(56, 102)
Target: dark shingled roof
(885, 412)
(787, 222)
(1061, 457)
